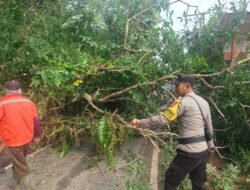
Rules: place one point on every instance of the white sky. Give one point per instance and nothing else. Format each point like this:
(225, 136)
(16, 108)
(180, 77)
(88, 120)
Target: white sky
(203, 6)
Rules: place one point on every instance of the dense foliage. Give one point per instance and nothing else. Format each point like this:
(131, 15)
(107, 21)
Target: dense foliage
(66, 50)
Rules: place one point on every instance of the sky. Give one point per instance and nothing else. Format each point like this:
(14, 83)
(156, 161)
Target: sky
(203, 5)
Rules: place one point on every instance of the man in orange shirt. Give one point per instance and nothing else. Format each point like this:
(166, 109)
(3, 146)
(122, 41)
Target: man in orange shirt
(19, 124)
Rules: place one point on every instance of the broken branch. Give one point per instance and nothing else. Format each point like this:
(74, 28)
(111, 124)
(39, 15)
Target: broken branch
(125, 90)
(216, 107)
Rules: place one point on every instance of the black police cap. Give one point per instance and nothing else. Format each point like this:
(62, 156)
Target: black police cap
(183, 79)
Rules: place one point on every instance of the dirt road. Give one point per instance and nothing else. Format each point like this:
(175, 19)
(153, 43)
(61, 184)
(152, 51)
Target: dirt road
(79, 170)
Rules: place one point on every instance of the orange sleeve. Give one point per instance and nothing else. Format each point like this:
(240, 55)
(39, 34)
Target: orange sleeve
(1, 112)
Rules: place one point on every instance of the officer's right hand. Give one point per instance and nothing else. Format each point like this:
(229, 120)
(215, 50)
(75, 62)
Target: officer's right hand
(136, 123)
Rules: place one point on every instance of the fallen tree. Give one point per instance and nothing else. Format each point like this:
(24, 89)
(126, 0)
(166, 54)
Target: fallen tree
(92, 66)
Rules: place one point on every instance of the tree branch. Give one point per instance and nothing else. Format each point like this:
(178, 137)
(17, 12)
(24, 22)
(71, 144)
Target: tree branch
(114, 70)
(141, 12)
(209, 85)
(244, 112)
(216, 107)
(223, 71)
(170, 77)
(138, 50)
(146, 133)
(126, 31)
(125, 90)
(144, 55)
(126, 34)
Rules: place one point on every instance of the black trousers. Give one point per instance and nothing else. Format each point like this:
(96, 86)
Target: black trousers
(185, 163)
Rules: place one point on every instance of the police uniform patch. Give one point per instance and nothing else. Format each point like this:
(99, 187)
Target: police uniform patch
(171, 112)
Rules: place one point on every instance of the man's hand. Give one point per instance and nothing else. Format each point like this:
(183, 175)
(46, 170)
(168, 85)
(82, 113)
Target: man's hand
(2, 147)
(36, 140)
(136, 123)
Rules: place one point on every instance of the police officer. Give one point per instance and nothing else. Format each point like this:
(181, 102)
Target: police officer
(195, 135)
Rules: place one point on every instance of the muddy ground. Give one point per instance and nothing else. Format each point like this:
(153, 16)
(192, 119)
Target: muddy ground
(79, 170)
